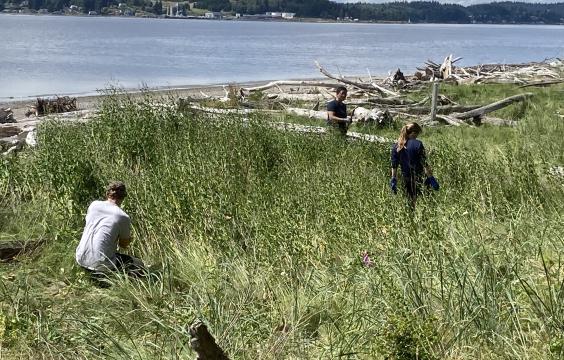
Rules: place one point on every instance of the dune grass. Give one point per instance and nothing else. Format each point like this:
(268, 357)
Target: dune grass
(259, 233)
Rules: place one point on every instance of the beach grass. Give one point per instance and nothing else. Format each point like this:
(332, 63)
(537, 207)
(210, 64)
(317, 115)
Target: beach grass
(260, 232)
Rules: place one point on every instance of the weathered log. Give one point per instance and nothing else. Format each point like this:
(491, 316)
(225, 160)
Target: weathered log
(543, 83)
(445, 110)
(6, 116)
(298, 97)
(204, 344)
(390, 101)
(290, 83)
(10, 250)
(9, 130)
(481, 111)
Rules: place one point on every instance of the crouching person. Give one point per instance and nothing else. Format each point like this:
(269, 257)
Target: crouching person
(107, 227)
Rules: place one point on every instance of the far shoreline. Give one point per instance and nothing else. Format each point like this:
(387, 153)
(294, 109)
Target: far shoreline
(295, 20)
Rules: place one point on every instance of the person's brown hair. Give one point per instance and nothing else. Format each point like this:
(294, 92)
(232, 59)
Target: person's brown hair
(406, 130)
(340, 88)
(116, 190)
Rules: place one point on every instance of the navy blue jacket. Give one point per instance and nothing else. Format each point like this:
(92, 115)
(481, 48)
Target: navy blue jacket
(411, 159)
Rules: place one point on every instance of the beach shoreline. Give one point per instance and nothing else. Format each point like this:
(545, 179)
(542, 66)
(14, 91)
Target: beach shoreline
(91, 101)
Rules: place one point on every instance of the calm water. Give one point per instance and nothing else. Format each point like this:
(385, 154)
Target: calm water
(42, 55)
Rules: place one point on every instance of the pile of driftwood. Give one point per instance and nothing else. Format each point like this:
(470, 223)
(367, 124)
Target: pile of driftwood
(377, 101)
(17, 135)
(529, 74)
(53, 106)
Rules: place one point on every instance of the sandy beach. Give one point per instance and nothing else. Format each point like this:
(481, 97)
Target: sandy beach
(89, 102)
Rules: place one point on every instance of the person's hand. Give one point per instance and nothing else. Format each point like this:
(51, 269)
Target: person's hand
(394, 185)
(432, 182)
(124, 243)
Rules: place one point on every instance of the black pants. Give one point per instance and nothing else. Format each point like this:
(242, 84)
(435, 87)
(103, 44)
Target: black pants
(412, 186)
(124, 263)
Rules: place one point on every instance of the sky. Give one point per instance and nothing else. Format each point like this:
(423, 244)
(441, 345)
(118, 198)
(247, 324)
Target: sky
(460, 2)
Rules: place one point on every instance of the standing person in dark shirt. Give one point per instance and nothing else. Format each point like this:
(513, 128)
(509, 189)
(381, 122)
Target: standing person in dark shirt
(409, 154)
(337, 111)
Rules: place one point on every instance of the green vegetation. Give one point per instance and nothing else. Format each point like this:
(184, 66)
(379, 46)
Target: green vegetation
(259, 233)
(416, 11)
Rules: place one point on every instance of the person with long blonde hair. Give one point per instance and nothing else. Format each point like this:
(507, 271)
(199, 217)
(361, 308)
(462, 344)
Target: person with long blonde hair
(408, 153)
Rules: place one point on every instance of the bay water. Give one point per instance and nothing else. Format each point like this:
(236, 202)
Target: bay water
(60, 55)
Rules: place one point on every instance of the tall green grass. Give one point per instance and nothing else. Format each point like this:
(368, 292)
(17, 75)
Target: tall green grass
(259, 233)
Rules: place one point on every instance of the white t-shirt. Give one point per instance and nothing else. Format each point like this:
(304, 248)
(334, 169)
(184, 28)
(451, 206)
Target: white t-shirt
(105, 224)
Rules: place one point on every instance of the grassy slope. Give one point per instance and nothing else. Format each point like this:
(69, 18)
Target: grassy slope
(259, 233)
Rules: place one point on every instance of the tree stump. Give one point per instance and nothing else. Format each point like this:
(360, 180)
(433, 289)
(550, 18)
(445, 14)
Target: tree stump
(204, 344)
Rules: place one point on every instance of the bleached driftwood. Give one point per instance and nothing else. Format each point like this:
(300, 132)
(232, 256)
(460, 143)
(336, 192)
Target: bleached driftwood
(290, 83)
(375, 116)
(312, 114)
(489, 73)
(368, 87)
(445, 109)
(16, 136)
(481, 111)
(543, 83)
(299, 97)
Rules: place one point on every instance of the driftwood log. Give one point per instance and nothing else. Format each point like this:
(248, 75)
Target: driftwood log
(542, 83)
(10, 250)
(204, 344)
(476, 114)
(280, 83)
(6, 116)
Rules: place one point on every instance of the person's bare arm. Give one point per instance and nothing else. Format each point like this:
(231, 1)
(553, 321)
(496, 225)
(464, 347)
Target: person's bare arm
(335, 119)
(124, 243)
(394, 172)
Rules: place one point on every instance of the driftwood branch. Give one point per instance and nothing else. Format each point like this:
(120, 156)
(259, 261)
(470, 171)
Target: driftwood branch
(367, 87)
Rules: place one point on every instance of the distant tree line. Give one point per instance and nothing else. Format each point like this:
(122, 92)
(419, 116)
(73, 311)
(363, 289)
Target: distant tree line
(418, 11)
(86, 5)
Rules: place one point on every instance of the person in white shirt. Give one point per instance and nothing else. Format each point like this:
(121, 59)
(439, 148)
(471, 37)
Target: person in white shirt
(107, 227)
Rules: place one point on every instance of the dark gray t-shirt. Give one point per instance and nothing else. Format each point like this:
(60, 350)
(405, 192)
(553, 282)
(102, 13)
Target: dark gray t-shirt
(106, 223)
(340, 109)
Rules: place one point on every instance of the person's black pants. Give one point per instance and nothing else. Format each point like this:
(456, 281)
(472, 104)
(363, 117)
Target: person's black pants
(127, 264)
